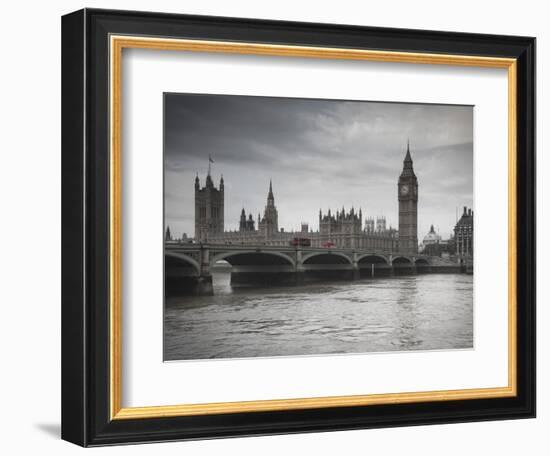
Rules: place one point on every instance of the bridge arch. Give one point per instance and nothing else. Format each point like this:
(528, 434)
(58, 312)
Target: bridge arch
(322, 257)
(174, 260)
(372, 258)
(401, 261)
(250, 257)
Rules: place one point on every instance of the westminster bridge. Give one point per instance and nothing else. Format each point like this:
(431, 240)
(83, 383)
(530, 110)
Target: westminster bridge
(188, 267)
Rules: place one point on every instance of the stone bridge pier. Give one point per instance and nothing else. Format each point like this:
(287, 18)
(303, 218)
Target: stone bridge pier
(187, 272)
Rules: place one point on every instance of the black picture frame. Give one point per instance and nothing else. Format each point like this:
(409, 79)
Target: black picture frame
(85, 224)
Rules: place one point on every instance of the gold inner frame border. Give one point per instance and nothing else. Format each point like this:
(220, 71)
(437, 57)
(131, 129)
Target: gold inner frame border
(116, 46)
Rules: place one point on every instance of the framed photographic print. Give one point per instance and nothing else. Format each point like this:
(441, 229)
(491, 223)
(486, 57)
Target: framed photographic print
(275, 227)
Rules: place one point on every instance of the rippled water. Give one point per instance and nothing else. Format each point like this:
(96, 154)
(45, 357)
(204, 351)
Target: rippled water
(420, 312)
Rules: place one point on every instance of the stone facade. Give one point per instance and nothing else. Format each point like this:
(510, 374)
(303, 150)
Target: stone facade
(209, 209)
(267, 233)
(340, 229)
(377, 225)
(464, 233)
(345, 229)
(246, 225)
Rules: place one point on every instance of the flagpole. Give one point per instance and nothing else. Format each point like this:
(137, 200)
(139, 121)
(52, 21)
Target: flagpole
(210, 161)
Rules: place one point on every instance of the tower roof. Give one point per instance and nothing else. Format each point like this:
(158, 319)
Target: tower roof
(408, 155)
(209, 182)
(467, 217)
(408, 163)
(270, 194)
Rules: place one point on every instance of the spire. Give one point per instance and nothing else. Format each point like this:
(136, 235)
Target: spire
(408, 162)
(408, 156)
(270, 197)
(221, 182)
(197, 182)
(242, 221)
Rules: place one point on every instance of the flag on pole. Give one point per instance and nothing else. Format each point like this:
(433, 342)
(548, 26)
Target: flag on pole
(210, 161)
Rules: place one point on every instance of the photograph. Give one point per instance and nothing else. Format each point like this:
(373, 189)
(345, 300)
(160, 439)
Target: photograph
(315, 226)
(267, 227)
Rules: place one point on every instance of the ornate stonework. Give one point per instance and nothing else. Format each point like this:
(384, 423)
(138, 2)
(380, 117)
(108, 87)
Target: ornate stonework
(407, 194)
(340, 229)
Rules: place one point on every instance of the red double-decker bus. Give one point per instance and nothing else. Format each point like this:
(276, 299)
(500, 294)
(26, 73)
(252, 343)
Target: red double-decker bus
(301, 242)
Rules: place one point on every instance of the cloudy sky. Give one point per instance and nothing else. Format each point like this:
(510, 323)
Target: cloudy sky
(319, 154)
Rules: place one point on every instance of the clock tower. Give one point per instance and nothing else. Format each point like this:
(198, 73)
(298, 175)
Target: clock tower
(407, 194)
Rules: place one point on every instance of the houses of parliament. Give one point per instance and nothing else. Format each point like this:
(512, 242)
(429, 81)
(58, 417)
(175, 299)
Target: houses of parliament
(344, 229)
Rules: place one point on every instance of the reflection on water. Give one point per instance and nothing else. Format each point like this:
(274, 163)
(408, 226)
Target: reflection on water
(417, 312)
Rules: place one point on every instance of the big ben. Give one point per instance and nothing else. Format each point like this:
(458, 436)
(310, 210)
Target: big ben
(407, 194)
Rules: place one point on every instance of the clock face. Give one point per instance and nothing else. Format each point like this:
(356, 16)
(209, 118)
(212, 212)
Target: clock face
(404, 189)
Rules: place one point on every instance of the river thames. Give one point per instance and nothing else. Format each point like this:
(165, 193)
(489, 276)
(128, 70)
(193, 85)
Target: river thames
(416, 312)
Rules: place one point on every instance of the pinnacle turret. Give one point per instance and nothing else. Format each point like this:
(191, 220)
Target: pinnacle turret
(270, 197)
(209, 207)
